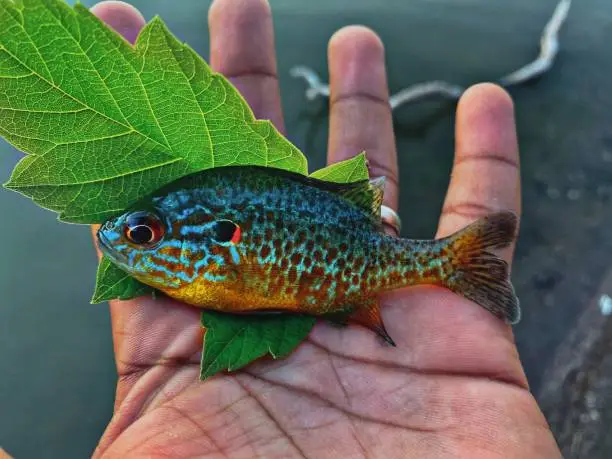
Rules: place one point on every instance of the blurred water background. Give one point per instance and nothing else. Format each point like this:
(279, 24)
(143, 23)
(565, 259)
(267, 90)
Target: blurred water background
(57, 378)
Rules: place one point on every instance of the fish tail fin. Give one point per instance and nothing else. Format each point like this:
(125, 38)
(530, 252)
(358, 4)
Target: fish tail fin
(479, 275)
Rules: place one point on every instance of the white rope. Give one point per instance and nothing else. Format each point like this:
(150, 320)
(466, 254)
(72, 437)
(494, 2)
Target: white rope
(549, 48)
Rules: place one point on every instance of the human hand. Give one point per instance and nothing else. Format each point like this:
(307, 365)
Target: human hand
(453, 386)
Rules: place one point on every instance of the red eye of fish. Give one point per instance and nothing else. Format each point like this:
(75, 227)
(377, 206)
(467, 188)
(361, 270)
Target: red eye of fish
(144, 228)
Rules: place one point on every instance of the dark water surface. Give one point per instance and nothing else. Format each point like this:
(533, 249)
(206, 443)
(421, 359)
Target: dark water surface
(57, 380)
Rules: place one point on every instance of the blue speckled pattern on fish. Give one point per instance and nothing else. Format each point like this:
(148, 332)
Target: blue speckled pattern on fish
(245, 239)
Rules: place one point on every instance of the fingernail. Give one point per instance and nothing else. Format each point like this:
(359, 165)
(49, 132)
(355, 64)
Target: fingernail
(121, 17)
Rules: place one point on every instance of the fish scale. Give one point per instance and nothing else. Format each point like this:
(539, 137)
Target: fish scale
(292, 243)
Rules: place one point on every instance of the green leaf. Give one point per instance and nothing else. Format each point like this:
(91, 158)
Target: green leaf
(350, 170)
(113, 283)
(106, 123)
(233, 341)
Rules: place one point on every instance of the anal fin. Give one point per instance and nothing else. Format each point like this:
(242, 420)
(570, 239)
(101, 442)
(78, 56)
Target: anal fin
(337, 319)
(368, 315)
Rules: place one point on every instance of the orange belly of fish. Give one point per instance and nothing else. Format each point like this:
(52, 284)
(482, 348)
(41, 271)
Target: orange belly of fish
(230, 297)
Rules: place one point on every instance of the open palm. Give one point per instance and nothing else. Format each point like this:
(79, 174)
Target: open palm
(453, 386)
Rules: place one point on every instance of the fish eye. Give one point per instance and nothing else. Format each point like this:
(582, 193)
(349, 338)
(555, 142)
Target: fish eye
(144, 228)
(226, 231)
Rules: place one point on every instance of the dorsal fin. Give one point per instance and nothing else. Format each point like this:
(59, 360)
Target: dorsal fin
(369, 196)
(364, 194)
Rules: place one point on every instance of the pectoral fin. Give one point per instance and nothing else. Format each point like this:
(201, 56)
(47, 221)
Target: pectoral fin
(368, 315)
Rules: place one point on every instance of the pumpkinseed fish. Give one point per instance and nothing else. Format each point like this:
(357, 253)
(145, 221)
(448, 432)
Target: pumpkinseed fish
(245, 239)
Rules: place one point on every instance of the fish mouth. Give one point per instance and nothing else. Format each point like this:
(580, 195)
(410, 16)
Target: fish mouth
(102, 240)
(107, 248)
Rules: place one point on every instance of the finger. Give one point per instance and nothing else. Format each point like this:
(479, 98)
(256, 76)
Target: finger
(242, 49)
(360, 115)
(485, 176)
(120, 16)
